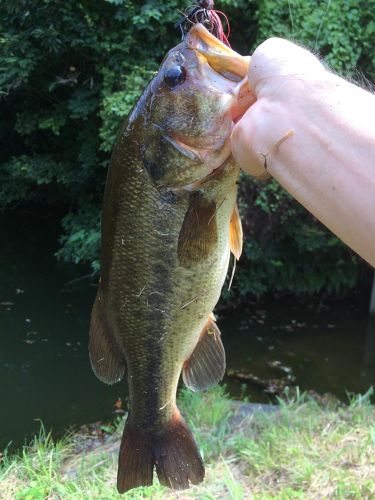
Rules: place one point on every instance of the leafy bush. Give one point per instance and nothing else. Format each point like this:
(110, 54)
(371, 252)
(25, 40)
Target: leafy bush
(70, 71)
(341, 31)
(286, 249)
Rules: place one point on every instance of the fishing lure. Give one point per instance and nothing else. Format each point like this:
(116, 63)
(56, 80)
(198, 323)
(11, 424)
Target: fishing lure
(205, 14)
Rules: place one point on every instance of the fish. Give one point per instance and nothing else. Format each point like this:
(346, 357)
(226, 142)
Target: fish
(169, 222)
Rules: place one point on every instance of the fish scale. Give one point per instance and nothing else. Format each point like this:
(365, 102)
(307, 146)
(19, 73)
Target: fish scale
(169, 222)
(177, 330)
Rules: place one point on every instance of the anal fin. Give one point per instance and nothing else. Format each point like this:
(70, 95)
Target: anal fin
(206, 365)
(235, 233)
(107, 361)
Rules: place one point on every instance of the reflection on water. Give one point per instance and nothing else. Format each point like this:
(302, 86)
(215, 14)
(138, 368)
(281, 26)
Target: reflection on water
(44, 367)
(330, 351)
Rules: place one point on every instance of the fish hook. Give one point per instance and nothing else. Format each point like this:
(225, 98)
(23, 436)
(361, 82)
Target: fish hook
(204, 13)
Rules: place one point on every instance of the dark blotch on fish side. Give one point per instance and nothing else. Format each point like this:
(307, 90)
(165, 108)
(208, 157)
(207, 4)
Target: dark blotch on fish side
(155, 170)
(168, 196)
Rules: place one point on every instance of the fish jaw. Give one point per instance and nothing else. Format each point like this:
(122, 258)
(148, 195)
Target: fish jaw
(228, 63)
(212, 160)
(226, 71)
(220, 57)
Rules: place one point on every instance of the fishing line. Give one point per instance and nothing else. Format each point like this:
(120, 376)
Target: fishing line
(233, 270)
(204, 13)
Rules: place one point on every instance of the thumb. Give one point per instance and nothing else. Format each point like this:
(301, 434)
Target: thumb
(278, 63)
(246, 140)
(278, 73)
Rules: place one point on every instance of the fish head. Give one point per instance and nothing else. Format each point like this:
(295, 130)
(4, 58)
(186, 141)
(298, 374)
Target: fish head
(189, 110)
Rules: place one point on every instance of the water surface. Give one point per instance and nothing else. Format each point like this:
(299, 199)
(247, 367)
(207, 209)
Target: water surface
(44, 319)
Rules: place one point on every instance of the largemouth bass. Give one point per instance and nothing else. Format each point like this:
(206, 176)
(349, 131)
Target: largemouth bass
(169, 222)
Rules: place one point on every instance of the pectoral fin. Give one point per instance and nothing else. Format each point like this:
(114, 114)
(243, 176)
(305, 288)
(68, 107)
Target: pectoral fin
(235, 233)
(107, 361)
(198, 233)
(206, 365)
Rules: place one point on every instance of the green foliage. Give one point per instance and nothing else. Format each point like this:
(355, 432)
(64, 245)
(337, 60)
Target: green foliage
(341, 31)
(71, 71)
(117, 105)
(81, 236)
(286, 249)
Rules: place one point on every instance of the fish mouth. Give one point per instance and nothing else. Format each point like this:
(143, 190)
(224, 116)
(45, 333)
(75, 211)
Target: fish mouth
(234, 69)
(228, 63)
(219, 56)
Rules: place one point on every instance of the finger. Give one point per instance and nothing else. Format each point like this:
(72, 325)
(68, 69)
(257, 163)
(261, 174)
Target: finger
(245, 143)
(276, 59)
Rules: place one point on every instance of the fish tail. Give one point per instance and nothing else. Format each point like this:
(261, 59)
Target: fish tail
(172, 451)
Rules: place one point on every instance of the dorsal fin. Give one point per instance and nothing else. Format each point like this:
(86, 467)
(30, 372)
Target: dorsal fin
(107, 361)
(235, 233)
(206, 365)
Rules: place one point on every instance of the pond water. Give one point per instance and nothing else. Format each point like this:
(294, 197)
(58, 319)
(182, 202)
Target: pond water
(45, 373)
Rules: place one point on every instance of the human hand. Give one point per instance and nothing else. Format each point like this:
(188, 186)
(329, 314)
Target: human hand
(314, 133)
(282, 75)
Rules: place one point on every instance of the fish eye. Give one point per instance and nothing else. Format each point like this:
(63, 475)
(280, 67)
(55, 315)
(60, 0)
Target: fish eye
(175, 76)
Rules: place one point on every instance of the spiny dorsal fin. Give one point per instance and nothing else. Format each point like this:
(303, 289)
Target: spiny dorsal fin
(235, 233)
(199, 230)
(206, 365)
(106, 359)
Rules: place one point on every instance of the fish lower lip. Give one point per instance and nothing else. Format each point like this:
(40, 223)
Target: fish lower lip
(184, 149)
(200, 151)
(217, 169)
(197, 183)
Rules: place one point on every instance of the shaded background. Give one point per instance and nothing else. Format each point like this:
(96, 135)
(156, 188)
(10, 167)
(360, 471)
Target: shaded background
(71, 71)
(69, 74)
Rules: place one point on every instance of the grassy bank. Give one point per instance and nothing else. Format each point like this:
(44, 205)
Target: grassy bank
(307, 449)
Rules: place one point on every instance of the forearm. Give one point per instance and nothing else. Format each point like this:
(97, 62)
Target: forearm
(327, 159)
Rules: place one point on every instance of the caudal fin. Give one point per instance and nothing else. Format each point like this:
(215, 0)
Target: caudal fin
(172, 450)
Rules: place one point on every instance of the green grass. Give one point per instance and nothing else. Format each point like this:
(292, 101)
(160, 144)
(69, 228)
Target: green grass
(305, 450)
